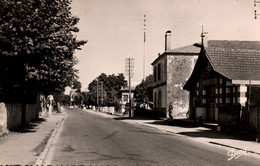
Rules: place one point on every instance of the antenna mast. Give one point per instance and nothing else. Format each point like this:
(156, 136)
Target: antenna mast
(202, 36)
(144, 46)
(255, 2)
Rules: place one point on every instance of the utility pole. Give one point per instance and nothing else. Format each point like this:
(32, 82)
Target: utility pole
(144, 46)
(100, 93)
(129, 70)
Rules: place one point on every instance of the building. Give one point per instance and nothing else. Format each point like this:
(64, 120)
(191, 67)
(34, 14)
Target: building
(125, 98)
(225, 83)
(171, 70)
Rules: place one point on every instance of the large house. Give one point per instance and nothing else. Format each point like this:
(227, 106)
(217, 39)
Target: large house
(225, 83)
(171, 70)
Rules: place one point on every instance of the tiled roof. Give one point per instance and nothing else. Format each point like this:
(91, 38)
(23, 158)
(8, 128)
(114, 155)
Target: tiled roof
(237, 60)
(190, 49)
(229, 44)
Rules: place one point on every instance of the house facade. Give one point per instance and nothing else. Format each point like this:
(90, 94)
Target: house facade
(171, 70)
(225, 83)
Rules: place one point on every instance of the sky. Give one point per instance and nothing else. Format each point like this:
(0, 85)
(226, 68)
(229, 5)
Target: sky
(114, 30)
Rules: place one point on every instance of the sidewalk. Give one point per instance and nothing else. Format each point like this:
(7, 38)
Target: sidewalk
(26, 146)
(207, 134)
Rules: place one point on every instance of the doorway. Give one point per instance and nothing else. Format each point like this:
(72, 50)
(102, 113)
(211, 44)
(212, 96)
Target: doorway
(210, 102)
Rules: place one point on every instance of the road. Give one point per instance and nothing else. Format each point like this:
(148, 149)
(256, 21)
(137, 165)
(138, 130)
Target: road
(91, 139)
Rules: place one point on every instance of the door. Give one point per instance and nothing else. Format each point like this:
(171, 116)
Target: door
(210, 103)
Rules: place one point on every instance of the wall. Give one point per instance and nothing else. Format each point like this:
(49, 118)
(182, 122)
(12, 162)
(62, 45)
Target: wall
(163, 63)
(14, 115)
(163, 91)
(109, 110)
(179, 69)
(160, 86)
(3, 118)
(31, 112)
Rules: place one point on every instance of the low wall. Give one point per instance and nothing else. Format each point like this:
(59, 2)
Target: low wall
(110, 110)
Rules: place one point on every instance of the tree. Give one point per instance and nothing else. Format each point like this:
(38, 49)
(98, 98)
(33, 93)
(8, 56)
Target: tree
(144, 91)
(39, 36)
(77, 86)
(111, 85)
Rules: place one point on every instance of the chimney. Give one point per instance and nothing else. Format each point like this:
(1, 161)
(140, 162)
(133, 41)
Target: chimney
(168, 41)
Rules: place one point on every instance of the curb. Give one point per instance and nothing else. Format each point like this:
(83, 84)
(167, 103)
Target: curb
(42, 157)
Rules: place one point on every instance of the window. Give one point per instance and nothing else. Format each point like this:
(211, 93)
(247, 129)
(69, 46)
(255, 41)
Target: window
(125, 97)
(159, 99)
(154, 73)
(155, 100)
(159, 72)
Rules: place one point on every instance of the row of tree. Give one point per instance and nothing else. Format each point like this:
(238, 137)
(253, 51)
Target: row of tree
(37, 45)
(112, 84)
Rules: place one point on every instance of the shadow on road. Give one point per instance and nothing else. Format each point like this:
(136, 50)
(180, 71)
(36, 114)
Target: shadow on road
(210, 131)
(176, 122)
(220, 135)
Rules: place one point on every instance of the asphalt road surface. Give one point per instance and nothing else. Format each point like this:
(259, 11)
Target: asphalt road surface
(91, 139)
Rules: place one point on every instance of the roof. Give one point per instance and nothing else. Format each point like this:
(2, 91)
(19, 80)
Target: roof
(186, 50)
(126, 89)
(236, 60)
(189, 49)
(234, 44)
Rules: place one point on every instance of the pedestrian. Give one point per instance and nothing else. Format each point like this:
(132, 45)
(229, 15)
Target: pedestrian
(170, 110)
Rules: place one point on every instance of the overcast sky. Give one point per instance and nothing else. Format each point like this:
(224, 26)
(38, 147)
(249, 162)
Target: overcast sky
(115, 30)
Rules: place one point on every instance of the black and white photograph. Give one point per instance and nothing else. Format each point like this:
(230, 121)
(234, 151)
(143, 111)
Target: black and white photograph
(130, 82)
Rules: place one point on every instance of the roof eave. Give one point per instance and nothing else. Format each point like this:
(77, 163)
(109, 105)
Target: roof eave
(246, 82)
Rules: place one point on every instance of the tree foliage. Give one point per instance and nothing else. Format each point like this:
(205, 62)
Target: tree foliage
(40, 34)
(144, 91)
(76, 84)
(111, 85)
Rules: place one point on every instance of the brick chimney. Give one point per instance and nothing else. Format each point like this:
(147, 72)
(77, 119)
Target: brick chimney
(168, 41)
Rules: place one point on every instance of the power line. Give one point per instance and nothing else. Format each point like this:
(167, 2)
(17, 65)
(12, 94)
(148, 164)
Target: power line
(199, 17)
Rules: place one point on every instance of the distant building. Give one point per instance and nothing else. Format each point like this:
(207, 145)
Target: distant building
(125, 97)
(171, 70)
(225, 83)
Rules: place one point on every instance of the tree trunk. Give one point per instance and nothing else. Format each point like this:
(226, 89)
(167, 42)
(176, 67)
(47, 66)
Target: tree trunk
(58, 107)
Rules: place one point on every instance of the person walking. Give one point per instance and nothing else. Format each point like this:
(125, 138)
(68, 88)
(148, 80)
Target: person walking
(170, 110)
